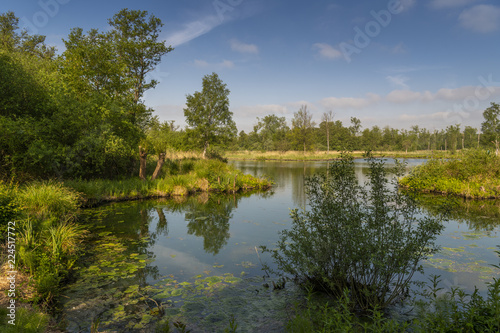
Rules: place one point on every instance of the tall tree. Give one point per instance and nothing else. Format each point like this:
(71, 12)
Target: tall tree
(302, 127)
(208, 114)
(135, 37)
(327, 118)
(491, 126)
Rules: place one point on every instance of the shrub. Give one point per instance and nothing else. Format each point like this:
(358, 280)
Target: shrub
(9, 209)
(367, 239)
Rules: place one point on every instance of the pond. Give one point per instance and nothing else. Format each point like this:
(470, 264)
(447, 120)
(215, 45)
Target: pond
(196, 259)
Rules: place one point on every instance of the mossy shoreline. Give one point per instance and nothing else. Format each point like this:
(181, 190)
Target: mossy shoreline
(292, 156)
(473, 175)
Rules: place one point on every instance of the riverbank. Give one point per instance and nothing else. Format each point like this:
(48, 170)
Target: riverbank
(49, 239)
(475, 174)
(182, 178)
(325, 156)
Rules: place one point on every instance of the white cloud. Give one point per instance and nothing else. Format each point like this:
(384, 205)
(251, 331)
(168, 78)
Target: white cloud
(407, 4)
(407, 96)
(193, 30)
(252, 111)
(399, 81)
(350, 102)
(399, 49)
(327, 51)
(439, 4)
(238, 46)
(205, 64)
(481, 18)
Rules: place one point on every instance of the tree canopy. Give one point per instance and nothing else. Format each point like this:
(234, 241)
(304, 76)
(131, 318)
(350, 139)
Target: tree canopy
(207, 112)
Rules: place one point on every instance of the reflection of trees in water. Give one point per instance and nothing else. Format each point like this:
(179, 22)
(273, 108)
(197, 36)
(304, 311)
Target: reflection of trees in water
(211, 221)
(479, 215)
(208, 216)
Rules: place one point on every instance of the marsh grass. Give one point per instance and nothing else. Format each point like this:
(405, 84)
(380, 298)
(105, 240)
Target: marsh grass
(473, 174)
(189, 174)
(323, 155)
(49, 200)
(27, 321)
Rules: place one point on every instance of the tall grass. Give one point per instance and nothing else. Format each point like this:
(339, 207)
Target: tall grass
(475, 174)
(48, 200)
(189, 174)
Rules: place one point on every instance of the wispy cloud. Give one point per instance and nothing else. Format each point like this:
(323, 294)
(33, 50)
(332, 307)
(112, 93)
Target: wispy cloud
(399, 49)
(481, 18)
(407, 4)
(193, 30)
(440, 4)
(350, 102)
(399, 81)
(220, 65)
(327, 51)
(241, 47)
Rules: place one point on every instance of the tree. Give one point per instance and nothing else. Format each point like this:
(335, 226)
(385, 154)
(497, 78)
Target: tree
(491, 126)
(302, 126)
(271, 131)
(208, 114)
(327, 118)
(117, 62)
(135, 38)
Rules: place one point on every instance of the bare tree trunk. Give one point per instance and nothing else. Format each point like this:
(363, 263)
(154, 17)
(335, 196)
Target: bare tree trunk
(205, 148)
(161, 161)
(142, 169)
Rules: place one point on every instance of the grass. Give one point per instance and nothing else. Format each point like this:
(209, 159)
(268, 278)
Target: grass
(323, 155)
(26, 321)
(474, 174)
(180, 177)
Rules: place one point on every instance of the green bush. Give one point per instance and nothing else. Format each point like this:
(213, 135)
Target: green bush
(367, 239)
(9, 209)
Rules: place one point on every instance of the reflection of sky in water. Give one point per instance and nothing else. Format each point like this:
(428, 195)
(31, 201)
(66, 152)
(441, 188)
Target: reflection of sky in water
(218, 234)
(248, 222)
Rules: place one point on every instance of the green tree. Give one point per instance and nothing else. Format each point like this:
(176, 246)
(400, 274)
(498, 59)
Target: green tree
(302, 128)
(272, 131)
(208, 114)
(327, 118)
(11, 40)
(491, 126)
(135, 40)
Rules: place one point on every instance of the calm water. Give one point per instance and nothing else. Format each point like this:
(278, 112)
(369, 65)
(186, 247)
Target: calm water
(198, 256)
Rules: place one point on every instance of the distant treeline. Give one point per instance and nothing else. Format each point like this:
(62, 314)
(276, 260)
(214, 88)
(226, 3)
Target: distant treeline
(81, 114)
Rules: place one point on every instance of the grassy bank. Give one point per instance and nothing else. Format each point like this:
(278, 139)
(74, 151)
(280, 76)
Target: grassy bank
(181, 177)
(48, 239)
(475, 174)
(323, 155)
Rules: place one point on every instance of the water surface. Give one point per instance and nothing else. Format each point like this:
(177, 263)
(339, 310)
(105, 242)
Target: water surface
(199, 257)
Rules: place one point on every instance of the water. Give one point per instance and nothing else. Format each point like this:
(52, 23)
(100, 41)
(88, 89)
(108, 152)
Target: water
(198, 257)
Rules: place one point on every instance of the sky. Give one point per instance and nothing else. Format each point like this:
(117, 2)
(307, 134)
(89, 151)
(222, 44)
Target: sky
(431, 63)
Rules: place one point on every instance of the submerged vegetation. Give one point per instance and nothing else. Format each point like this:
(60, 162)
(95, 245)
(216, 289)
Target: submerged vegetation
(475, 174)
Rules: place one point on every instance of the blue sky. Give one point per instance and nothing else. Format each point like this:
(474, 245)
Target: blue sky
(431, 63)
